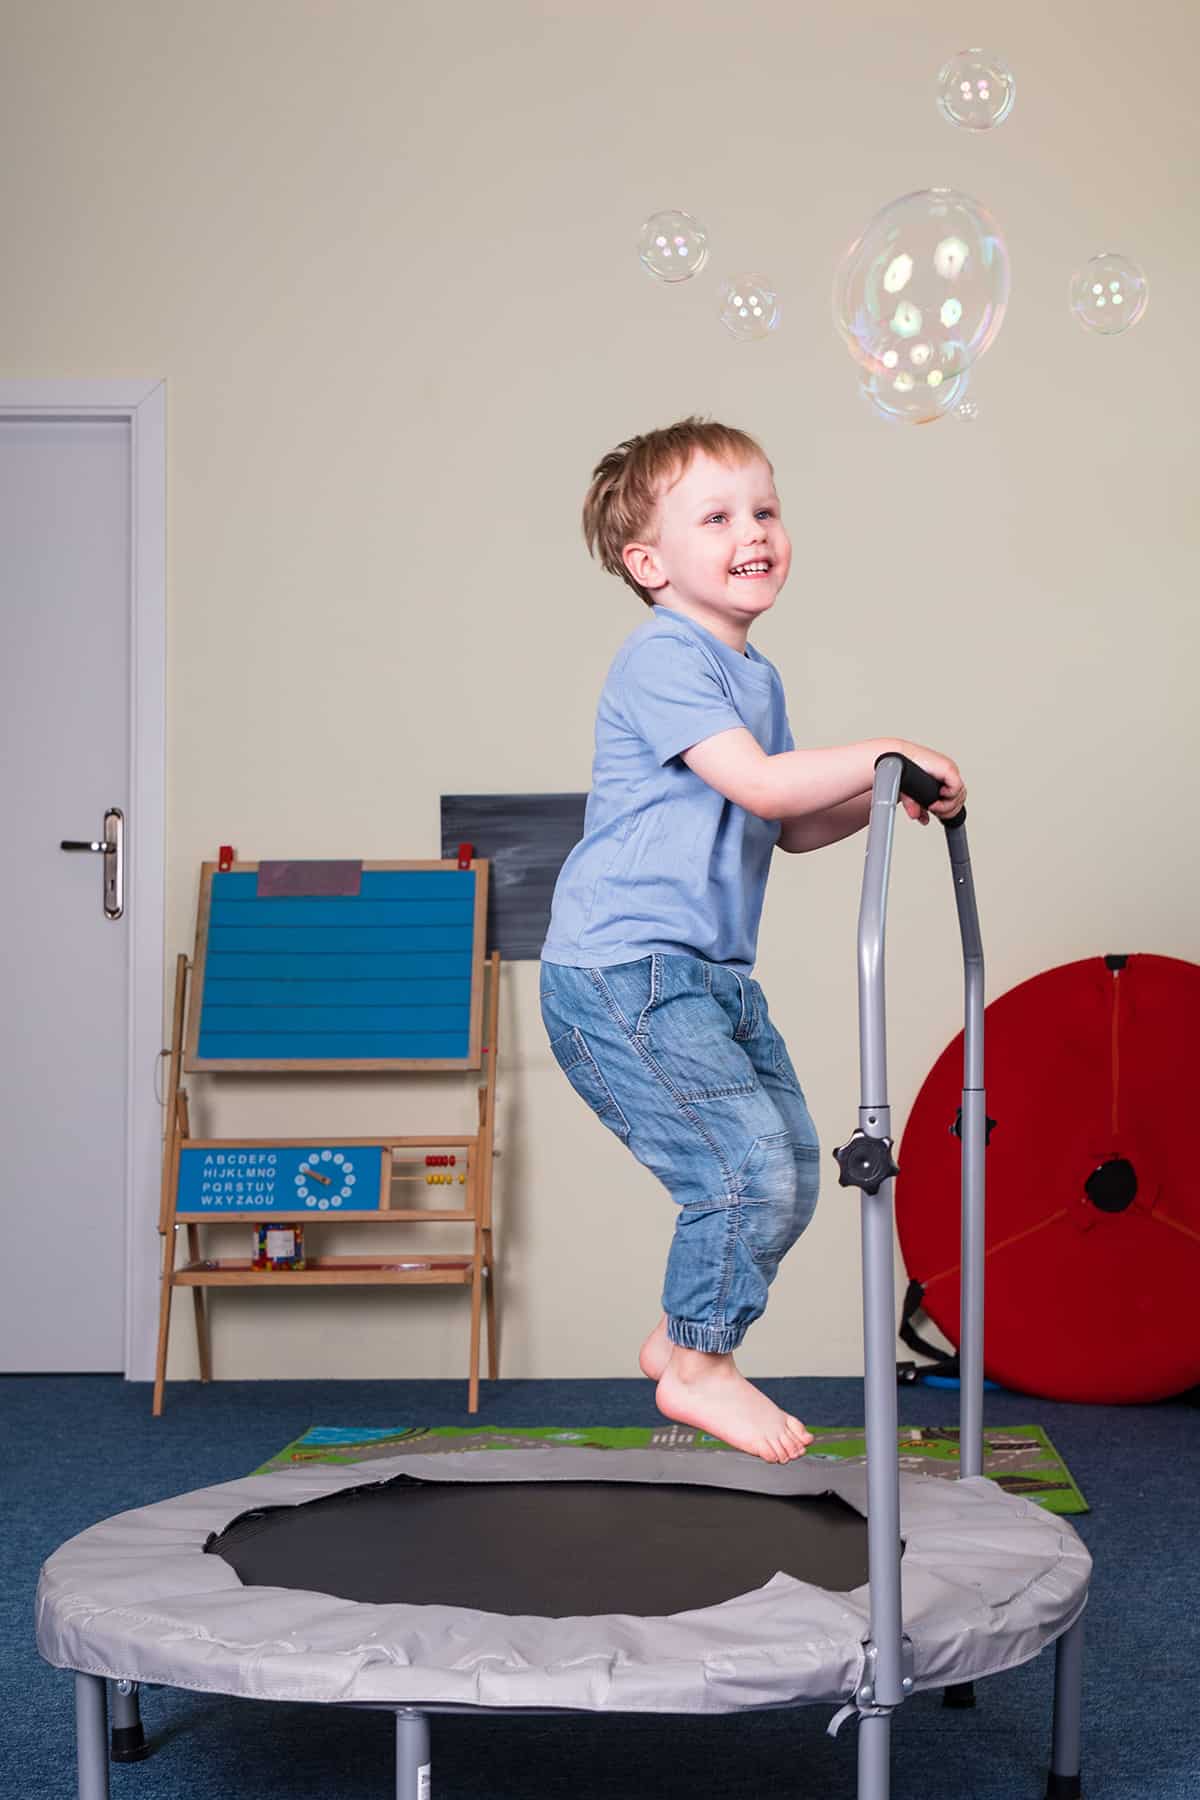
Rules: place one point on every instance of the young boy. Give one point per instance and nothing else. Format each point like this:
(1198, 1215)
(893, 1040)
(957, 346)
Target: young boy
(646, 989)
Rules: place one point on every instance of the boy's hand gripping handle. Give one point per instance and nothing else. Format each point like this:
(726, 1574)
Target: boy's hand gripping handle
(919, 785)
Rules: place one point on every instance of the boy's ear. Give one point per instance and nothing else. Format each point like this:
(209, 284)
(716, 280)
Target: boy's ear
(642, 562)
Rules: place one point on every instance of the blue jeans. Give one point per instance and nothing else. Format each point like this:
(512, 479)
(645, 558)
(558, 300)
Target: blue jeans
(677, 1056)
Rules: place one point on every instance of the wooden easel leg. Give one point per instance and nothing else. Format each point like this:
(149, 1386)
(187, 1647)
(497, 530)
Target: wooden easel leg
(176, 1120)
(476, 1310)
(493, 1341)
(164, 1322)
(200, 1307)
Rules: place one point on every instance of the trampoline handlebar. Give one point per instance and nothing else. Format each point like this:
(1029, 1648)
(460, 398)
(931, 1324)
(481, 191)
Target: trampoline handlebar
(919, 785)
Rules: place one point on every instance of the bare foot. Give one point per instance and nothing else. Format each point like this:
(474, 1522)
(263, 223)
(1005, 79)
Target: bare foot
(711, 1393)
(655, 1353)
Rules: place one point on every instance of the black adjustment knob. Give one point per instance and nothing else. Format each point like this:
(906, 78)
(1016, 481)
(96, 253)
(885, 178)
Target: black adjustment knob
(989, 1127)
(865, 1162)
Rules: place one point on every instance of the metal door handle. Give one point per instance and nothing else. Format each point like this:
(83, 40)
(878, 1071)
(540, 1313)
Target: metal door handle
(112, 847)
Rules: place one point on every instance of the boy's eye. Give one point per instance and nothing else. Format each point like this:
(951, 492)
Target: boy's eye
(763, 512)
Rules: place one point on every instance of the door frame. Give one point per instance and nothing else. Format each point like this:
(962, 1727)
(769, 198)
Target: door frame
(142, 403)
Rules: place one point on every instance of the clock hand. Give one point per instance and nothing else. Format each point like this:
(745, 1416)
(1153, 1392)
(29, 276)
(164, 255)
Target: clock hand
(315, 1176)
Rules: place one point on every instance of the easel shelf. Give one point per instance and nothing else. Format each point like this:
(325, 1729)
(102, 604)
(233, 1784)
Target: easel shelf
(328, 1271)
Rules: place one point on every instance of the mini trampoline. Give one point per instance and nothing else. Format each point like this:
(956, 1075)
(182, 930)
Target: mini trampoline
(578, 1579)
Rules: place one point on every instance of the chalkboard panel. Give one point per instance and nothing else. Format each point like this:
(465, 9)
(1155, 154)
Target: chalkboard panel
(527, 838)
(386, 976)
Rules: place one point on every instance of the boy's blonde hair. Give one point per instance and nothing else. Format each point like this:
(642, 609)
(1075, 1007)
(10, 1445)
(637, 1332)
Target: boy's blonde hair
(627, 483)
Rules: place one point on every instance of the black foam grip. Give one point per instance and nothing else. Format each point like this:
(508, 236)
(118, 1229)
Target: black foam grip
(924, 788)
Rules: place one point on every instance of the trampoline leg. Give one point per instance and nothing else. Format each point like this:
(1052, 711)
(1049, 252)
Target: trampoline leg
(1063, 1782)
(413, 1777)
(91, 1736)
(875, 1756)
(128, 1737)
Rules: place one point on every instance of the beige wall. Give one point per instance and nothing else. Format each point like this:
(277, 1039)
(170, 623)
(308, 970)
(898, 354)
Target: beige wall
(383, 255)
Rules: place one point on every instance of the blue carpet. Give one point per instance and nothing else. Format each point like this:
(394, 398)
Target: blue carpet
(80, 1448)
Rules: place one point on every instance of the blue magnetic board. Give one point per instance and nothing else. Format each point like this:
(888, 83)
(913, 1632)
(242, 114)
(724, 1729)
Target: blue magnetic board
(383, 976)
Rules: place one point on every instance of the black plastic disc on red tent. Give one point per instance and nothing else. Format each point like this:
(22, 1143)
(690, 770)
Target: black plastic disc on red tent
(1093, 1183)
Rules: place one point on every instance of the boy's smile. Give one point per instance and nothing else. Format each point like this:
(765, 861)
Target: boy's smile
(721, 553)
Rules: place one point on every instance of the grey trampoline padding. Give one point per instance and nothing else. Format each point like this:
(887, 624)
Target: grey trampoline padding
(988, 1581)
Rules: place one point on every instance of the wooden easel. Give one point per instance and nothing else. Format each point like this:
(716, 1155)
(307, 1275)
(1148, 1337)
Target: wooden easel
(392, 1155)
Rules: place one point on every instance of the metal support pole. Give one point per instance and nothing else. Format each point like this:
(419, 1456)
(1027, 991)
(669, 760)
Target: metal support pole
(875, 1756)
(91, 1736)
(974, 1143)
(879, 1289)
(1064, 1780)
(885, 1685)
(414, 1779)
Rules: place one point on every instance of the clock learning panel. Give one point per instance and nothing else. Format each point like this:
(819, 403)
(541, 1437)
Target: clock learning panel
(322, 1178)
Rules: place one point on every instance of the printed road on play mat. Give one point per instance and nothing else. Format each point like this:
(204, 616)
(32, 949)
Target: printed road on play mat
(1021, 1460)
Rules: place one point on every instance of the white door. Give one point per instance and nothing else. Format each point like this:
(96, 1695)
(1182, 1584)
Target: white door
(65, 658)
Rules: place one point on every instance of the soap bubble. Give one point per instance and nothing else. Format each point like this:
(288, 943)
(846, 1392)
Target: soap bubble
(926, 283)
(673, 245)
(975, 90)
(1109, 293)
(902, 397)
(967, 410)
(749, 306)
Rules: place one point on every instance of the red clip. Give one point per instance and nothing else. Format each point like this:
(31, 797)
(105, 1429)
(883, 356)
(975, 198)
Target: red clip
(226, 856)
(465, 854)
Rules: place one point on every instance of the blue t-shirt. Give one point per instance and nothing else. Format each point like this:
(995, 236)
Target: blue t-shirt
(666, 863)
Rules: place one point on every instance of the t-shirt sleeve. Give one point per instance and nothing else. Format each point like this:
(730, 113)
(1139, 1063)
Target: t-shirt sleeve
(673, 699)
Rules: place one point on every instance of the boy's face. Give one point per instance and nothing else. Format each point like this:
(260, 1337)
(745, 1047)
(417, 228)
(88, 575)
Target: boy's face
(721, 553)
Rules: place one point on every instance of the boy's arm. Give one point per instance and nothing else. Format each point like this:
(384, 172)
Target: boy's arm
(794, 784)
(813, 831)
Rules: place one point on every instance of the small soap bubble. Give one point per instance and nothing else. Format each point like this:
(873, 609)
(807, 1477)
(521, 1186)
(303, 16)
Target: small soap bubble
(749, 306)
(673, 245)
(975, 90)
(928, 279)
(1109, 294)
(903, 397)
(967, 410)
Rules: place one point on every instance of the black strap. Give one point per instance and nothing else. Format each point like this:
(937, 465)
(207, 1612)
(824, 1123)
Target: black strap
(945, 1362)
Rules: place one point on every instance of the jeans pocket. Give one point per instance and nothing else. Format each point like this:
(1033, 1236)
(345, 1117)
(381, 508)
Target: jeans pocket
(581, 1069)
(768, 1190)
(631, 990)
(785, 1070)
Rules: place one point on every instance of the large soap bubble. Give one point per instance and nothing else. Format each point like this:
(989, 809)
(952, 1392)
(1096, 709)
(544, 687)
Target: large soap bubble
(1109, 294)
(925, 286)
(901, 397)
(749, 306)
(673, 245)
(975, 90)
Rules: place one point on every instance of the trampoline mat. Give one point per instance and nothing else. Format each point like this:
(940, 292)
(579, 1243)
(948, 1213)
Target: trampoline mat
(551, 1549)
